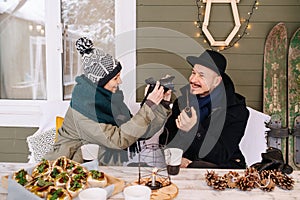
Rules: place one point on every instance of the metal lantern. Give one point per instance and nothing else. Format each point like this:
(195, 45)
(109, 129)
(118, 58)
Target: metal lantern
(152, 167)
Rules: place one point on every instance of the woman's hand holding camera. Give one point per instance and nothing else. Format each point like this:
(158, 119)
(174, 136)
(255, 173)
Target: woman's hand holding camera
(157, 94)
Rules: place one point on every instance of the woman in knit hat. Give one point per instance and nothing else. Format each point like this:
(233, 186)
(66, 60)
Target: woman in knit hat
(98, 114)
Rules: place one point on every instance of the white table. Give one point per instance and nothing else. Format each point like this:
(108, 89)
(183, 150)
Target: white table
(191, 184)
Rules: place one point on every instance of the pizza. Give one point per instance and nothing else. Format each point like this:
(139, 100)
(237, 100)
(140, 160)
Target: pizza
(75, 185)
(22, 177)
(42, 168)
(62, 179)
(60, 162)
(55, 172)
(40, 186)
(77, 181)
(80, 174)
(96, 179)
(80, 170)
(55, 193)
(71, 165)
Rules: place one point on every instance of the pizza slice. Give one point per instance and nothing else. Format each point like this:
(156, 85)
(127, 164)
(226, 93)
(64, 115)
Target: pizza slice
(60, 162)
(22, 177)
(61, 179)
(40, 186)
(55, 172)
(71, 165)
(42, 168)
(55, 193)
(80, 173)
(75, 186)
(96, 179)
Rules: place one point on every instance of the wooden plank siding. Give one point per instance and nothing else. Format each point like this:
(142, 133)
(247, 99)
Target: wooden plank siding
(13, 145)
(245, 62)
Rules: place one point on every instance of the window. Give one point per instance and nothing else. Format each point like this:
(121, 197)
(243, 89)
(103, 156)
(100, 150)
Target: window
(23, 62)
(92, 19)
(46, 58)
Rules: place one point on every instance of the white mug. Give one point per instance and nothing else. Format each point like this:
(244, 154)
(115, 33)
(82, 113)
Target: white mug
(93, 194)
(137, 192)
(89, 152)
(173, 158)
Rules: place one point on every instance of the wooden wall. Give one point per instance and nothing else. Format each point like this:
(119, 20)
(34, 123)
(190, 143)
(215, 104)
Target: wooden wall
(245, 63)
(13, 145)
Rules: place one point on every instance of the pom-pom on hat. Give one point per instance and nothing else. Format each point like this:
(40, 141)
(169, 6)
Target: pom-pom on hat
(98, 66)
(210, 59)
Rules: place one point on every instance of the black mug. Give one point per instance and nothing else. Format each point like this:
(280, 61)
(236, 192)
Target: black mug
(173, 170)
(173, 158)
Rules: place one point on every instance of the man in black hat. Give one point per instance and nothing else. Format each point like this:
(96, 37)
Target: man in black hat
(209, 119)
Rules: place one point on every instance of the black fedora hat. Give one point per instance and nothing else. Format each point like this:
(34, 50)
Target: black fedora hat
(210, 59)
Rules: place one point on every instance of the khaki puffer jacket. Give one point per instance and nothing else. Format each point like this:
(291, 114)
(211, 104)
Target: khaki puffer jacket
(78, 130)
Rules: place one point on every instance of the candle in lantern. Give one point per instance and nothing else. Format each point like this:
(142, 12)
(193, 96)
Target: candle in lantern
(153, 178)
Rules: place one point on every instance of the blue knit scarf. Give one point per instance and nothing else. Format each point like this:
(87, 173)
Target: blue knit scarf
(205, 105)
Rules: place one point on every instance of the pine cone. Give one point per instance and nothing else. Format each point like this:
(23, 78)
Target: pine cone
(251, 171)
(276, 176)
(220, 183)
(267, 185)
(265, 174)
(285, 182)
(210, 177)
(231, 179)
(245, 184)
(253, 177)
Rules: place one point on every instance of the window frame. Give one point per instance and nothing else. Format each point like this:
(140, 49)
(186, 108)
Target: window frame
(28, 113)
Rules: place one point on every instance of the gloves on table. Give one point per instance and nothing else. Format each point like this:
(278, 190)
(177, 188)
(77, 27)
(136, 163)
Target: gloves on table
(273, 160)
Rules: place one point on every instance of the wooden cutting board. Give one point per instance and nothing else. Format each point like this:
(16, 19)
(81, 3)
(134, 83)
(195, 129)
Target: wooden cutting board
(118, 183)
(167, 192)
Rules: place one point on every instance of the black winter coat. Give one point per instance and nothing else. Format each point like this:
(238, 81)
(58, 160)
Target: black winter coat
(216, 139)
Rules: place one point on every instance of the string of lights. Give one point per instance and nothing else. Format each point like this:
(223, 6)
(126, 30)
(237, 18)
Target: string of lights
(245, 26)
